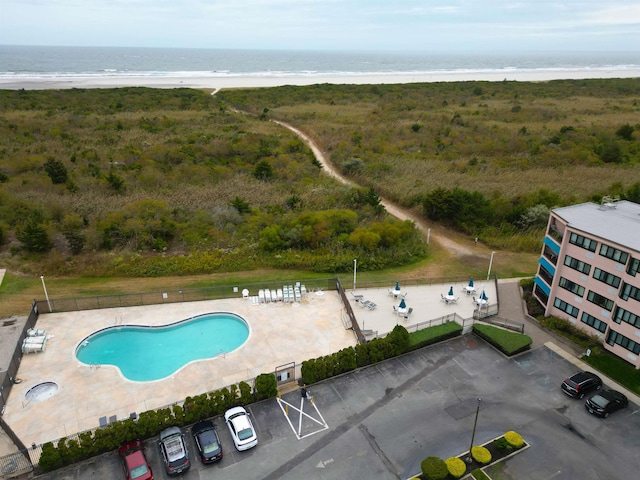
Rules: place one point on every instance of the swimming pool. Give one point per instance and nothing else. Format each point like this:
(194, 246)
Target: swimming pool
(145, 354)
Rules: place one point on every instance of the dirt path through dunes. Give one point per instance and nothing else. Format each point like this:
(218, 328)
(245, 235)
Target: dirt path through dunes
(397, 211)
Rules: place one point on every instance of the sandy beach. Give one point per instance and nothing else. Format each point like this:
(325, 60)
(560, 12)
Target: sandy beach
(219, 82)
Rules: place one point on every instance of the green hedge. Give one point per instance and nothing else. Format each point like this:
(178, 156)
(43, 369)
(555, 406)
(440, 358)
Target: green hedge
(399, 341)
(150, 423)
(509, 343)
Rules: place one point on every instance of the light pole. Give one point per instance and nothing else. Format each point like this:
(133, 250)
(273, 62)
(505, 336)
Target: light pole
(355, 269)
(474, 430)
(490, 263)
(46, 295)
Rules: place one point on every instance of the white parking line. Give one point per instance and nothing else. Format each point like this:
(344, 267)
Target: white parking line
(285, 406)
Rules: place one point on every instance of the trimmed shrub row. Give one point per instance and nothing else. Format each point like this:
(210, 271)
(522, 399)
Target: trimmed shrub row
(150, 423)
(434, 468)
(399, 341)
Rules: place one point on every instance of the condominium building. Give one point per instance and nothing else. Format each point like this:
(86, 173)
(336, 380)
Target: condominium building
(588, 272)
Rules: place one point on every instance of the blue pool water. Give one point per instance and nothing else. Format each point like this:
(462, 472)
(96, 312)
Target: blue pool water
(144, 353)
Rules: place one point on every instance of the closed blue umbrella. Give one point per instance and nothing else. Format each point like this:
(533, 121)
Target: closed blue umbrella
(450, 291)
(402, 304)
(483, 296)
(471, 281)
(397, 285)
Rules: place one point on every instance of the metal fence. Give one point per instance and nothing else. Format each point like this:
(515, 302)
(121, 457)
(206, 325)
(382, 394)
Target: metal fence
(20, 462)
(169, 296)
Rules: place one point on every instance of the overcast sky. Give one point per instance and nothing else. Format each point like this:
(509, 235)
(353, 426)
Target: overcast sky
(409, 25)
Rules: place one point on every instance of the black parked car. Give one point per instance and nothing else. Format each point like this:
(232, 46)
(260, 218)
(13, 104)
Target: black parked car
(207, 441)
(581, 383)
(606, 402)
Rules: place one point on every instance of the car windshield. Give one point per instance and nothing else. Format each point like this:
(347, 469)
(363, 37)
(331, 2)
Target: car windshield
(245, 433)
(599, 401)
(209, 442)
(139, 471)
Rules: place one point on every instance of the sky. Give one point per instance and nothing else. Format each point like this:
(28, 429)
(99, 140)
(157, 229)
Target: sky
(348, 25)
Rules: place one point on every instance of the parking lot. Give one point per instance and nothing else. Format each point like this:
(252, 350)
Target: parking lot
(383, 420)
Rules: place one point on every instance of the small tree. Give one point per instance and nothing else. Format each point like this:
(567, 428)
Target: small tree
(34, 237)
(56, 170)
(434, 468)
(266, 386)
(625, 132)
(263, 170)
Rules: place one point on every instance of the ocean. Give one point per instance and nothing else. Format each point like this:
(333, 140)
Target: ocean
(111, 62)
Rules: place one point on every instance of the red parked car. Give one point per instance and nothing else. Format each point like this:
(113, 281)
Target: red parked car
(134, 462)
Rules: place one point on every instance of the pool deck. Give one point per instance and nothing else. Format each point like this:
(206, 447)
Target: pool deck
(279, 334)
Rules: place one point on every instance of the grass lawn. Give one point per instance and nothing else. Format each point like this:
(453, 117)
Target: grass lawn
(617, 369)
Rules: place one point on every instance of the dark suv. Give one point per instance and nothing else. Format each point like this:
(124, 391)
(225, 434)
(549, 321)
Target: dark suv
(581, 383)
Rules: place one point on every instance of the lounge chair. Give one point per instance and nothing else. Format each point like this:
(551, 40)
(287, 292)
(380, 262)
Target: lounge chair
(280, 295)
(408, 314)
(404, 295)
(369, 305)
(395, 309)
(245, 293)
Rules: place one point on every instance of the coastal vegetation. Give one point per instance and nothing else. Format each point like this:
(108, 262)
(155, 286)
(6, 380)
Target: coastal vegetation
(487, 158)
(138, 182)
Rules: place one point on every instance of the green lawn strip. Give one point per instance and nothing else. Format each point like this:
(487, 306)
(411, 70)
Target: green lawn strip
(508, 342)
(615, 368)
(434, 334)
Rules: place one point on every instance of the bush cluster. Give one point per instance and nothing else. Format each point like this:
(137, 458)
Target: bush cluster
(150, 423)
(481, 455)
(514, 439)
(456, 467)
(434, 468)
(399, 341)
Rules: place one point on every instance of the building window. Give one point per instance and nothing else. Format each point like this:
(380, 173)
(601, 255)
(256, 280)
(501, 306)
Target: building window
(546, 276)
(583, 242)
(606, 277)
(571, 286)
(599, 300)
(634, 266)
(623, 315)
(629, 291)
(614, 254)
(593, 322)
(619, 339)
(565, 307)
(577, 265)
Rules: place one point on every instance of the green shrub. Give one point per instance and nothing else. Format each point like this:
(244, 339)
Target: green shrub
(266, 386)
(456, 467)
(514, 439)
(479, 475)
(50, 458)
(481, 455)
(502, 444)
(434, 468)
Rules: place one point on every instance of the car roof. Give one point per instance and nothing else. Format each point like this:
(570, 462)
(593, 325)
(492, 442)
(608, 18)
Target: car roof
(234, 411)
(203, 425)
(167, 432)
(135, 459)
(241, 422)
(135, 444)
(582, 376)
(610, 394)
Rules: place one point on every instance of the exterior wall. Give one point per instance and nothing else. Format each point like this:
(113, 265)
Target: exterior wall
(577, 302)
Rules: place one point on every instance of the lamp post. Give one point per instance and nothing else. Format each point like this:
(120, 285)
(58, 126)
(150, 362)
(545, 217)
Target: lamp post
(490, 263)
(46, 295)
(474, 430)
(355, 269)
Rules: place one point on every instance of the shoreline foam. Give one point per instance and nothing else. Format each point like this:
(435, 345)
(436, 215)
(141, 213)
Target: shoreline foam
(248, 81)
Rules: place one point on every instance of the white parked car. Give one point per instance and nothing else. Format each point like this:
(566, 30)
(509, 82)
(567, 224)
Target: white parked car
(241, 429)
